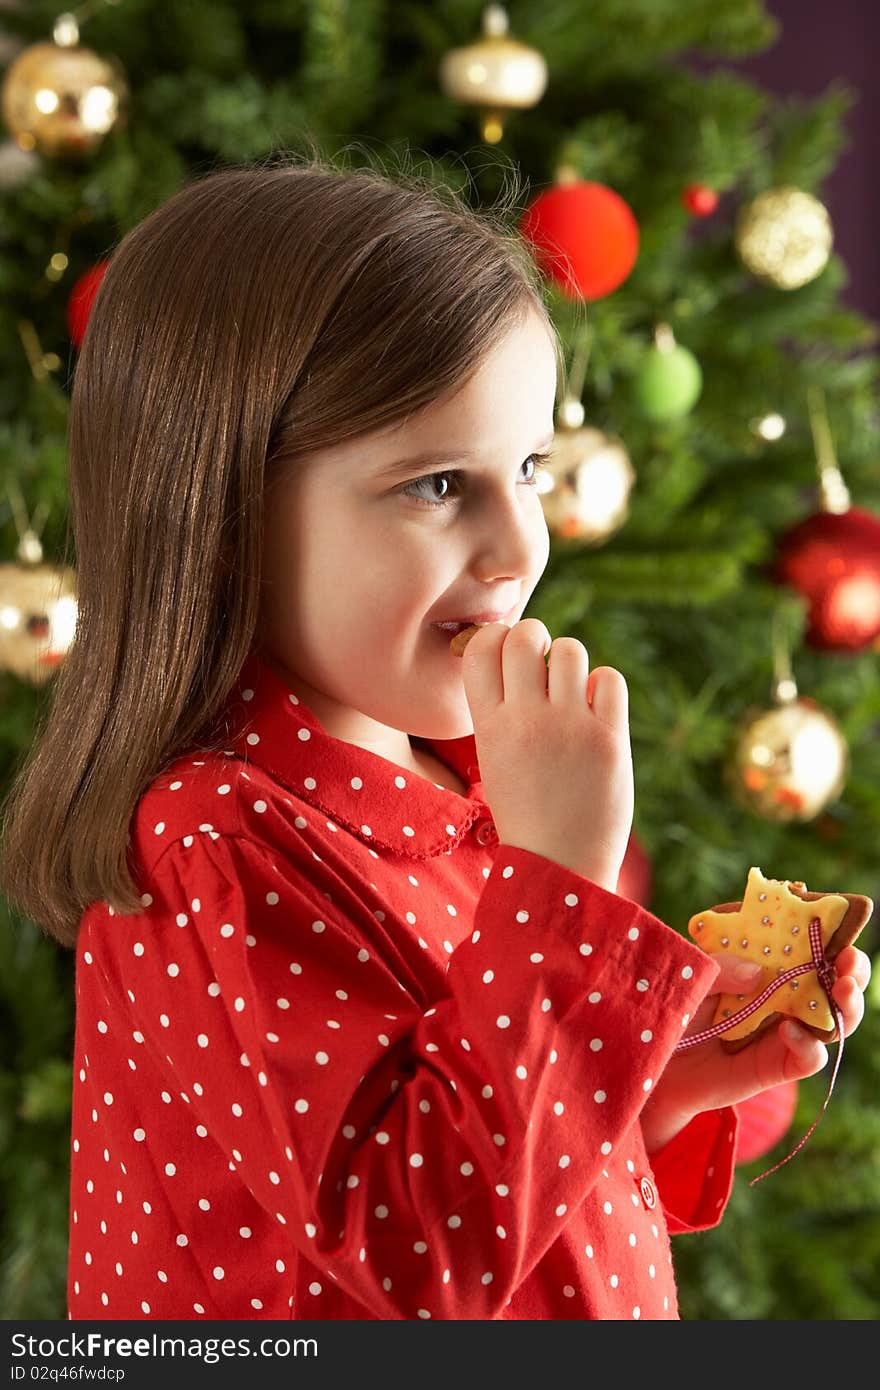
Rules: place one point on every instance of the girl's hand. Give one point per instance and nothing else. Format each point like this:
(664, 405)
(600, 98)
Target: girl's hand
(706, 1077)
(561, 730)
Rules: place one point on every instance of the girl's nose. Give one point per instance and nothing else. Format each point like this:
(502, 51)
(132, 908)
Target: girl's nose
(514, 539)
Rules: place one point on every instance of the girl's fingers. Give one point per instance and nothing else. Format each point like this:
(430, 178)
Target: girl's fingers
(851, 1000)
(787, 1052)
(855, 963)
(736, 974)
(524, 672)
(806, 1053)
(730, 980)
(609, 696)
(568, 672)
(481, 669)
(806, 1050)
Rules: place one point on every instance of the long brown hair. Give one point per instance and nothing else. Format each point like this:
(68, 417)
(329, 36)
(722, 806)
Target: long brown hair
(259, 313)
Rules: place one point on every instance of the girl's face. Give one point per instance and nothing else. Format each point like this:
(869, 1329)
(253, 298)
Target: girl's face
(358, 563)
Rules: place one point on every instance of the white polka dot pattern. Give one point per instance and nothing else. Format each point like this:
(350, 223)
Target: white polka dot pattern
(355, 1059)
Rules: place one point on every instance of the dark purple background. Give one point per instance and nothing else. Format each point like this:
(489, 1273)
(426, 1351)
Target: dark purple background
(820, 41)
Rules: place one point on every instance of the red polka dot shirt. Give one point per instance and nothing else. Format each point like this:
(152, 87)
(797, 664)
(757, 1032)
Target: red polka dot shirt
(355, 1059)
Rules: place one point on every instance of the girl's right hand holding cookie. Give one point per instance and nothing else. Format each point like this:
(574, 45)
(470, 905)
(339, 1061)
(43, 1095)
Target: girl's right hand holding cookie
(553, 746)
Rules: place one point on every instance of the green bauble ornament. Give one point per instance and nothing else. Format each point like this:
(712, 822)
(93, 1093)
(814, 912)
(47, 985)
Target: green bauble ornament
(669, 380)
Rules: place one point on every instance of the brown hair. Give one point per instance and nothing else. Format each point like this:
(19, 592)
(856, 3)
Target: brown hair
(259, 313)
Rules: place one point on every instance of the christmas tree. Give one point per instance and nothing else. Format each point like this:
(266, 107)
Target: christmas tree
(713, 498)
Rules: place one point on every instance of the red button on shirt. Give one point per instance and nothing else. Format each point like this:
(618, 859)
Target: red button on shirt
(485, 832)
(337, 1067)
(649, 1196)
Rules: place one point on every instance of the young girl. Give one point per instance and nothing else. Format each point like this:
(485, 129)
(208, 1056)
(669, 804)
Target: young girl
(364, 1029)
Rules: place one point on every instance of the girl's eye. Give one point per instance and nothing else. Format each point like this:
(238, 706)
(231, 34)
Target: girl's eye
(539, 461)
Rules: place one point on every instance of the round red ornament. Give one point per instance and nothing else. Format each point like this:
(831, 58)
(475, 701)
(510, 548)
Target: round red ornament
(763, 1120)
(833, 560)
(699, 199)
(585, 237)
(79, 305)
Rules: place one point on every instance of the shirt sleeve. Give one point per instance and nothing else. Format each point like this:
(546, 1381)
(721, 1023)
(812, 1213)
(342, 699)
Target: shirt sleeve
(694, 1172)
(425, 1153)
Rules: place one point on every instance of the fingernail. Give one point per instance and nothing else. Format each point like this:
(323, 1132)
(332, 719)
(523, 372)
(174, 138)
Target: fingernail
(797, 1035)
(745, 970)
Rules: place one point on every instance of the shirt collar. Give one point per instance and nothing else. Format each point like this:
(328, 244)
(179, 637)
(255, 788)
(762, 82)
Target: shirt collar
(380, 802)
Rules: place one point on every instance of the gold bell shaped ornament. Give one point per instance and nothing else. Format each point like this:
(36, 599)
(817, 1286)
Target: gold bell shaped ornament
(585, 484)
(497, 74)
(789, 762)
(784, 237)
(60, 100)
(38, 611)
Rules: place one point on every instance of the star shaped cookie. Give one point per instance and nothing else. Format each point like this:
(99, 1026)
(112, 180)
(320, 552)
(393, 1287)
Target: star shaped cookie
(771, 926)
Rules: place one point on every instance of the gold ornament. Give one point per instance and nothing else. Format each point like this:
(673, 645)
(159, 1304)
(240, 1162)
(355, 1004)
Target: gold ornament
(789, 762)
(585, 485)
(37, 618)
(38, 606)
(497, 73)
(61, 99)
(784, 237)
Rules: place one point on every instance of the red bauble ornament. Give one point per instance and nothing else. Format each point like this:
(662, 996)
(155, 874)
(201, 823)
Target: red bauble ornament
(763, 1120)
(79, 305)
(699, 199)
(585, 237)
(833, 560)
(635, 878)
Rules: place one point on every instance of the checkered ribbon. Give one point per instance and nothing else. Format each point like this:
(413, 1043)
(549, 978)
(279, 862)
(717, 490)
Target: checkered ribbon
(827, 975)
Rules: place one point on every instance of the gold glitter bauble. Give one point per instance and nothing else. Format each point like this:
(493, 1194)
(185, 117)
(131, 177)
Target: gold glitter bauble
(497, 73)
(37, 618)
(62, 100)
(585, 485)
(789, 762)
(784, 237)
